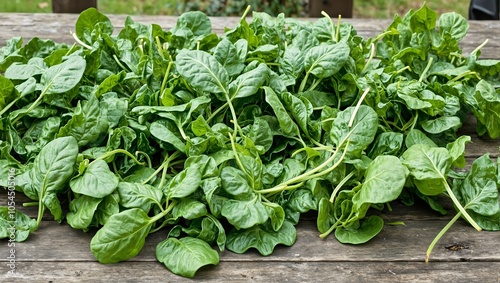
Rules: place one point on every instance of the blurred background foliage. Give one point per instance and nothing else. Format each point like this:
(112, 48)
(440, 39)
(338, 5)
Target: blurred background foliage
(291, 8)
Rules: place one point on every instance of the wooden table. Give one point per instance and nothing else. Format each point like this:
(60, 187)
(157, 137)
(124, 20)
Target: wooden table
(58, 253)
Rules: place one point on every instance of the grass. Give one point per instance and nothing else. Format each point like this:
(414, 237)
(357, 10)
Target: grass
(362, 8)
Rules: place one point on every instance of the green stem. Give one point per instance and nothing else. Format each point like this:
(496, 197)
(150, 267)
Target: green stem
(463, 75)
(165, 78)
(233, 113)
(165, 164)
(332, 32)
(8, 106)
(337, 33)
(35, 104)
(148, 159)
(329, 231)
(159, 47)
(31, 204)
(79, 41)
(459, 206)
(120, 63)
(357, 106)
(315, 84)
(424, 73)
(41, 210)
(339, 186)
(161, 215)
(224, 106)
(116, 151)
(309, 174)
(247, 10)
(372, 54)
(303, 83)
(440, 235)
(480, 46)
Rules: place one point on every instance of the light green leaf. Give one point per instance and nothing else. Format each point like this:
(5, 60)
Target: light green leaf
(261, 237)
(97, 181)
(186, 255)
(122, 237)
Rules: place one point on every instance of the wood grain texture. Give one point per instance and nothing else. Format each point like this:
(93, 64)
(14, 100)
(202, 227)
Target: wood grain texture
(58, 27)
(345, 272)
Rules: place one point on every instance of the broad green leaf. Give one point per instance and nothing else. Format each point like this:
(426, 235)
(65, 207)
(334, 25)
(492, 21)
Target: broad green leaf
(360, 134)
(184, 183)
(245, 213)
(91, 23)
(428, 166)
(186, 255)
(227, 54)
(386, 143)
(457, 151)
(87, 123)
(197, 22)
(325, 60)
(300, 109)
(51, 169)
(122, 237)
(489, 102)
(15, 225)
(81, 211)
(189, 209)
(203, 72)
(97, 181)
(325, 215)
(384, 181)
(441, 124)
(425, 162)
(418, 137)
(454, 24)
(63, 77)
(7, 92)
(108, 207)
(276, 214)
(424, 19)
(138, 195)
(249, 83)
(368, 229)
(205, 164)
(479, 191)
(162, 132)
(286, 123)
(261, 237)
(235, 183)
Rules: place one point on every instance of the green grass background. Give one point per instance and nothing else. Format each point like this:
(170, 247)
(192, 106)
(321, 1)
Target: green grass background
(362, 8)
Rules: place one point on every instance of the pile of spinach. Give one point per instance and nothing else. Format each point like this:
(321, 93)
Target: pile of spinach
(226, 140)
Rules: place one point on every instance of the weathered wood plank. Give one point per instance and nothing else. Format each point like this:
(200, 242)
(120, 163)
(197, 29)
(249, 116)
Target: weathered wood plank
(58, 26)
(291, 271)
(54, 242)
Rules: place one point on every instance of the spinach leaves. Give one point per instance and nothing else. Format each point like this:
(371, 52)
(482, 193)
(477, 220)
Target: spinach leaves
(225, 140)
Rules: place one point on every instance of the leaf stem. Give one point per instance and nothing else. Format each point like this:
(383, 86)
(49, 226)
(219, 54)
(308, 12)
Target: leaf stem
(165, 78)
(80, 41)
(309, 174)
(372, 54)
(165, 163)
(440, 235)
(116, 151)
(32, 106)
(480, 46)
(339, 186)
(357, 106)
(424, 73)
(459, 206)
(329, 231)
